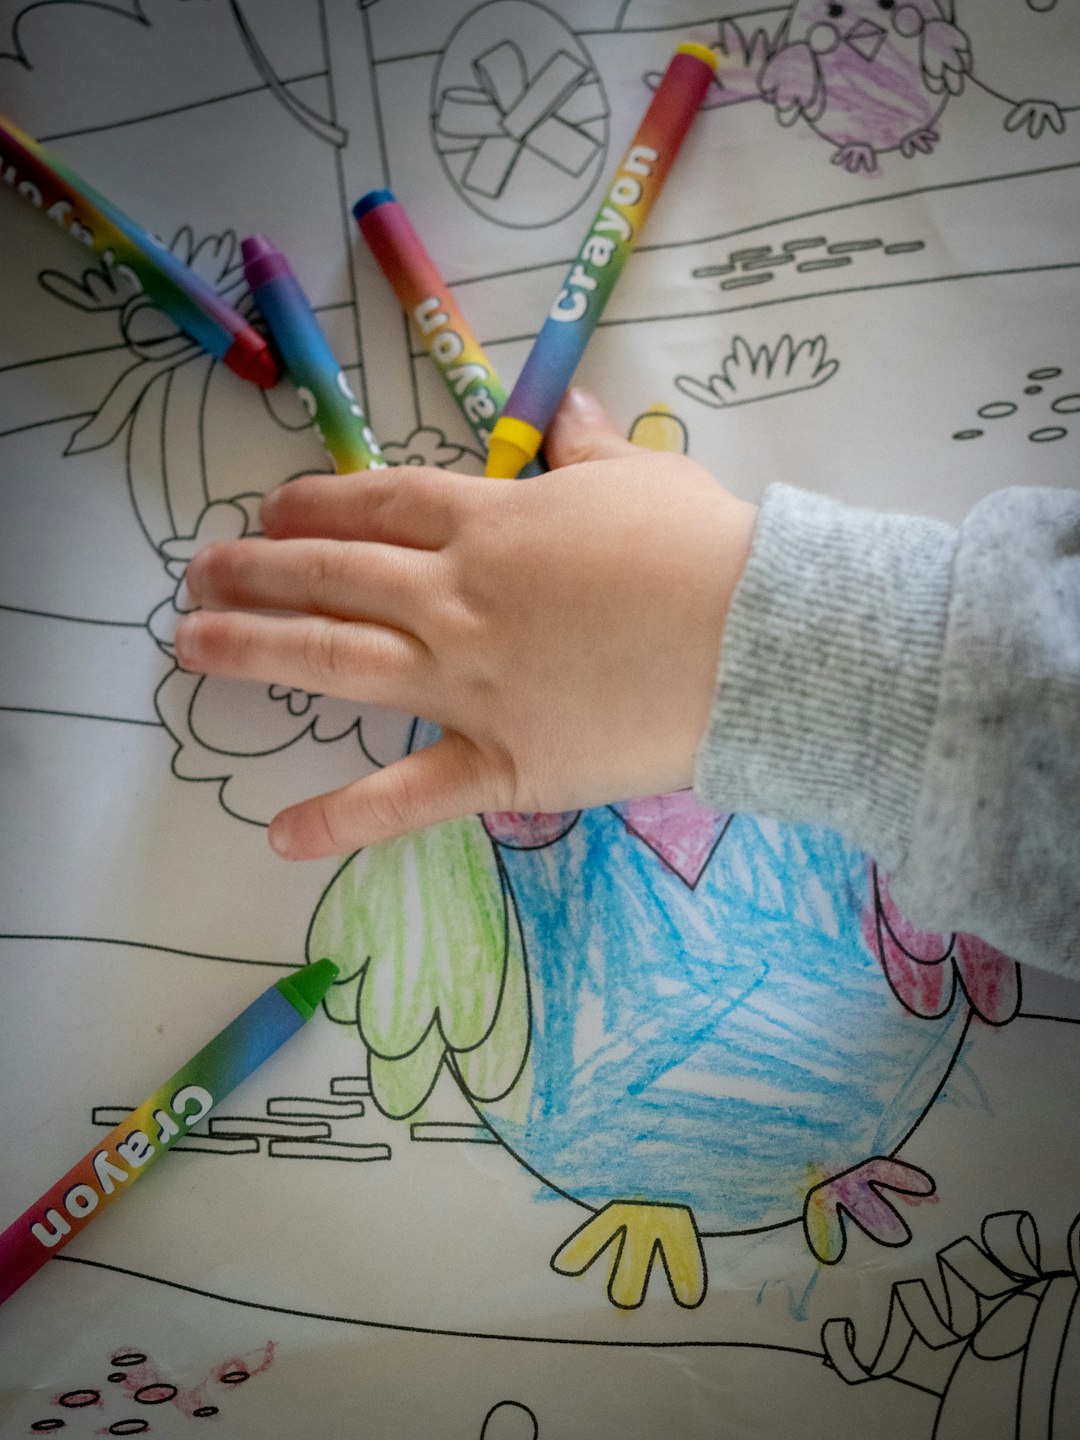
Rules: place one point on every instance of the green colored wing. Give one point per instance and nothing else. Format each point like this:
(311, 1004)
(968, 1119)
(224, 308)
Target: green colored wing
(425, 933)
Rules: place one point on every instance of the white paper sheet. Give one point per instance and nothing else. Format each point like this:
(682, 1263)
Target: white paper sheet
(722, 1027)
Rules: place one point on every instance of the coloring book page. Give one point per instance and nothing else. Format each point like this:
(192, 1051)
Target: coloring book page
(638, 1122)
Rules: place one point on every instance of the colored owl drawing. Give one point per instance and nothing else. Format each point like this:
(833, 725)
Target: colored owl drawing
(688, 1023)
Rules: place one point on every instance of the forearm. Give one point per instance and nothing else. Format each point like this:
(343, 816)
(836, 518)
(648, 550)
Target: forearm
(918, 689)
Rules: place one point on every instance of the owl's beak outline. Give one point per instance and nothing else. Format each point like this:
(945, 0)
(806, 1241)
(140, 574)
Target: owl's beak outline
(866, 39)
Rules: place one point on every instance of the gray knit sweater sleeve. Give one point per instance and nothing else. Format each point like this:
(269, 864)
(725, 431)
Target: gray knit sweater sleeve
(918, 689)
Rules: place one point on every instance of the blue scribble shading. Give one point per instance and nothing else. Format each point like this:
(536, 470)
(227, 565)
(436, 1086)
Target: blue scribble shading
(724, 1047)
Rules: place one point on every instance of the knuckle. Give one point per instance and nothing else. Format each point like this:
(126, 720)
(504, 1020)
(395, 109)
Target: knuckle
(326, 827)
(393, 805)
(324, 650)
(326, 565)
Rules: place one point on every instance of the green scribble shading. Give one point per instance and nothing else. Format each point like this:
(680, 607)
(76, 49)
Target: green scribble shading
(424, 931)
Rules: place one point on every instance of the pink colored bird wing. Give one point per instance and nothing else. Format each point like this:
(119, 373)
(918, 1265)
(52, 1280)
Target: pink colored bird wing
(945, 54)
(913, 959)
(990, 979)
(791, 81)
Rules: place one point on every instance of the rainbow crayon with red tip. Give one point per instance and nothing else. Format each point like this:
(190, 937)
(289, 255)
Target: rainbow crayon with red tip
(68, 201)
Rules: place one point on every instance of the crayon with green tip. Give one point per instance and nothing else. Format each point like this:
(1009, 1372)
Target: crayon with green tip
(154, 1127)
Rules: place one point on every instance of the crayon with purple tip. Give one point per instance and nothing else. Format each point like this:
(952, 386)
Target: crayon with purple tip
(311, 365)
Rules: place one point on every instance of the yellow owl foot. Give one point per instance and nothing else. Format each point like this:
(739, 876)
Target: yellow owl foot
(640, 1233)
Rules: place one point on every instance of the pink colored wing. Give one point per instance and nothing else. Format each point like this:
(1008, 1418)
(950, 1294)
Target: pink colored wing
(990, 979)
(922, 967)
(914, 960)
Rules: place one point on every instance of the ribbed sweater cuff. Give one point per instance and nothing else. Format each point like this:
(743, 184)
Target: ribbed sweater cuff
(829, 670)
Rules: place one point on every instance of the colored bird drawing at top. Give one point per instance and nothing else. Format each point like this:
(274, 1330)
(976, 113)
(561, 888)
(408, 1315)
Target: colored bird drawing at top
(868, 75)
(689, 1023)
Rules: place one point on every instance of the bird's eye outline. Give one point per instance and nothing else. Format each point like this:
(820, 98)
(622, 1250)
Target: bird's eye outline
(886, 4)
(836, 11)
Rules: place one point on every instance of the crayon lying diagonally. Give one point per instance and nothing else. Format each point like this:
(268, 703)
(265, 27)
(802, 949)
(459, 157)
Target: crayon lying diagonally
(51, 187)
(427, 300)
(138, 1142)
(309, 362)
(608, 244)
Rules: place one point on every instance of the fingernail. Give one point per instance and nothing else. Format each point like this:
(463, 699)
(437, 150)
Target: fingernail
(193, 573)
(581, 401)
(268, 506)
(280, 838)
(184, 639)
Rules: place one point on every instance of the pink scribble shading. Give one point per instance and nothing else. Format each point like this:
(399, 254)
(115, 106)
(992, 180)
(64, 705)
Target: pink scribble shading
(243, 1367)
(990, 979)
(913, 959)
(528, 831)
(145, 1384)
(79, 1399)
(677, 829)
(857, 1193)
(922, 967)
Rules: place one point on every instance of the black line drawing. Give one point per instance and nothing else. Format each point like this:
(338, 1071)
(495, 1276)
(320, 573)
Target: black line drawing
(452, 1132)
(518, 114)
(295, 1127)
(747, 375)
(758, 264)
(1022, 59)
(510, 1420)
(1057, 398)
(1006, 1338)
(133, 1379)
(865, 81)
(15, 10)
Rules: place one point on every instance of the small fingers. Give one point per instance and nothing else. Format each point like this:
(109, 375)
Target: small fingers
(406, 505)
(581, 430)
(349, 659)
(343, 579)
(444, 781)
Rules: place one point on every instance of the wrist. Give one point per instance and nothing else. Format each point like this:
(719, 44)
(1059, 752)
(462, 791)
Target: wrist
(829, 670)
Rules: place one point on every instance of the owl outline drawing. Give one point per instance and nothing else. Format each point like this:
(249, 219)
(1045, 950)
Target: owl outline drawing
(869, 76)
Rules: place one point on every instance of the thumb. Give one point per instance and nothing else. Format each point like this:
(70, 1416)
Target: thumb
(438, 783)
(581, 430)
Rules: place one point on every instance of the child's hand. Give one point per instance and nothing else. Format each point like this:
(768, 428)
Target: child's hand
(564, 631)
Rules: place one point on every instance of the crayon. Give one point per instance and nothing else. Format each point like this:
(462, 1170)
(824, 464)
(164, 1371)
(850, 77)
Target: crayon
(153, 1127)
(47, 183)
(309, 362)
(425, 297)
(610, 239)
